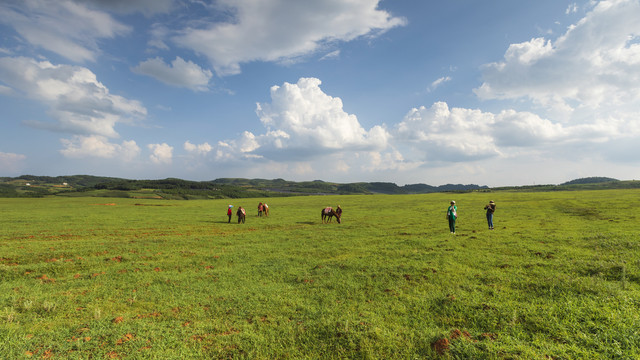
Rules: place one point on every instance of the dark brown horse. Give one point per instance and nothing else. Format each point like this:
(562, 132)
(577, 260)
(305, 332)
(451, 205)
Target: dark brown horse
(328, 213)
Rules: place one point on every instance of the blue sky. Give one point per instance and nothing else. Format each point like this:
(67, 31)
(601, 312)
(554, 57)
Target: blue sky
(492, 93)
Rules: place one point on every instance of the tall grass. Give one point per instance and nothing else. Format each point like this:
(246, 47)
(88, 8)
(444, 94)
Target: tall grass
(124, 278)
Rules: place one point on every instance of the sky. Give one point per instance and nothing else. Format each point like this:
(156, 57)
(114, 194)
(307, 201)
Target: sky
(496, 93)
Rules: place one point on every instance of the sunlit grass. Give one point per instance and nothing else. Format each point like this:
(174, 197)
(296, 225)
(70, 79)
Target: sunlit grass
(100, 278)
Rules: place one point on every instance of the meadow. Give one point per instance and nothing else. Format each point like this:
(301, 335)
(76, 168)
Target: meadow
(100, 278)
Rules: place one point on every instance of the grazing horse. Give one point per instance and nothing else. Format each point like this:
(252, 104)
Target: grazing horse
(241, 215)
(328, 213)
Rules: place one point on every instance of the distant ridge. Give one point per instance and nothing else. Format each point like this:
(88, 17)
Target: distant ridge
(590, 180)
(172, 188)
(222, 188)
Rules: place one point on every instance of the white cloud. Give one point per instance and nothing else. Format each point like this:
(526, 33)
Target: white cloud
(439, 82)
(201, 149)
(179, 73)
(68, 28)
(308, 133)
(99, 146)
(590, 71)
(332, 55)
(303, 121)
(11, 163)
(262, 30)
(76, 99)
(572, 8)
(524, 129)
(443, 134)
(161, 153)
(439, 134)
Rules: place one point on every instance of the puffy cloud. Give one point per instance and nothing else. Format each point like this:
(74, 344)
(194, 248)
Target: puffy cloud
(444, 134)
(523, 129)
(99, 146)
(180, 73)
(68, 28)
(301, 119)
(594, 66)
(201, 149)
(161, 153)
(76, 99)
(439, 133)
(308, 132)
(11, 163)
(261, 30)
(587, 81)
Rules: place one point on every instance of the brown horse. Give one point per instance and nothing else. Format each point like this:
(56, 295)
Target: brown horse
(328, 213)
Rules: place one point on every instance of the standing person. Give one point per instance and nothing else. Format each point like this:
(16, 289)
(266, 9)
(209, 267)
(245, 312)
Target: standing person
(491, 208)
(241, 215)
(260, 207)
(229, 213)
(452, 215)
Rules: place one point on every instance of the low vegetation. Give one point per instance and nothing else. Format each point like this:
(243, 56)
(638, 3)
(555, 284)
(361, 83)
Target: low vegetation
(99, 278)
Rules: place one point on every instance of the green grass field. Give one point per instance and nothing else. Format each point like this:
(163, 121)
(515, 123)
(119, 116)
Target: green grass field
(104, 278)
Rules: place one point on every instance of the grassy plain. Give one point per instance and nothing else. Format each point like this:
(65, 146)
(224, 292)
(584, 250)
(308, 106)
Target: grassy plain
(100, 278)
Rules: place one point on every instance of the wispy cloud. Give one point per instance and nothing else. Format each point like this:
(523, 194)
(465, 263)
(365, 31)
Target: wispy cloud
(261, 30)
(179, 73)
(11, 163)
(439, 82)
(67, 28)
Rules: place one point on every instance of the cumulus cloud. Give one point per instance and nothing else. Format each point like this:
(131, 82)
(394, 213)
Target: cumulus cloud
(443, 134)
(594, 66)
(99, 146)
(161, 153)
(305, 130)
(76, 99)
(440, 133)
(179, 73)
(304, 121)
(262, 30)
(201, 149)
(67, 28)
(11, 163)
(302, 115)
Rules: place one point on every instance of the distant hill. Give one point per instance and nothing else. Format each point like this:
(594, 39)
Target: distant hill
(171, 188)
(590, 180)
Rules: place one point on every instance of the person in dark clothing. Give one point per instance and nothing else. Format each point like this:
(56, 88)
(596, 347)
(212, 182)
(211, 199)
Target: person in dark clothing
(491, 208)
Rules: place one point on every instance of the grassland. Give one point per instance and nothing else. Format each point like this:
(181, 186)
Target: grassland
(98, 278)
